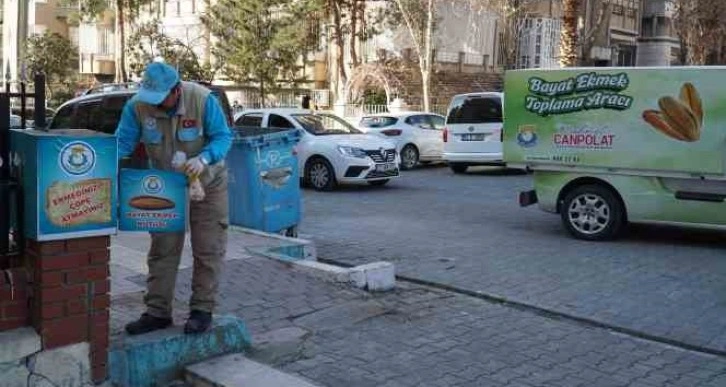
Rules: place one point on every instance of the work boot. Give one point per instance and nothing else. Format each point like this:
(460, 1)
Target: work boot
(147, 323)
(198, 322)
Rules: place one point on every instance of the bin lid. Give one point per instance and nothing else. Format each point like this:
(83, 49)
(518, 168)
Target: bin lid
(64, 133)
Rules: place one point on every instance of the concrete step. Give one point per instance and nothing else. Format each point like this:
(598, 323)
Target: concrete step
(236, 370)
(158, 358)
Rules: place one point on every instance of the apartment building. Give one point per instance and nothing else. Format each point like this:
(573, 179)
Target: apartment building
(658, 44)
(613, 33)
(41, 16)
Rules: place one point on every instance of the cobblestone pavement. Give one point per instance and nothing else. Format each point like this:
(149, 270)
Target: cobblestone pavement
(468, 231)
(418, 336)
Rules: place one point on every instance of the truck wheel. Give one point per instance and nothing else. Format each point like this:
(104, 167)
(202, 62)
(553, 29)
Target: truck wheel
(593, 213)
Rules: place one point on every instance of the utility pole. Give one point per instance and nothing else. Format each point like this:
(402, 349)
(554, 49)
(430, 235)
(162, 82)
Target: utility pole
(14, 35)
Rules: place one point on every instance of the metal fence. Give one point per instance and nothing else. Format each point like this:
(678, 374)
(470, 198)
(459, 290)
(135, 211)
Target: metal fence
(11, 195)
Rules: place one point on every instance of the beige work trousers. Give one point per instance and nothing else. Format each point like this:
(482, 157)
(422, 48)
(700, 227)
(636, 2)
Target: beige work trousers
(208, 221)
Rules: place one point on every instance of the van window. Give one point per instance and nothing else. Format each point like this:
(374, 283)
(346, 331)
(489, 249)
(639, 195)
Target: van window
(475, 110)
(62, 119)
(438, 122)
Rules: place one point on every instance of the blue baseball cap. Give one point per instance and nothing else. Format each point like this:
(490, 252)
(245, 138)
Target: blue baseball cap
(159, 78)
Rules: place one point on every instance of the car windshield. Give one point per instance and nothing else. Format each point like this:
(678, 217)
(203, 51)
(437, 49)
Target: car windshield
(377, 122)
(324, 124)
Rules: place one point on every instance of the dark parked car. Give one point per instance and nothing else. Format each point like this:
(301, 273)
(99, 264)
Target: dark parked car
(101, 111)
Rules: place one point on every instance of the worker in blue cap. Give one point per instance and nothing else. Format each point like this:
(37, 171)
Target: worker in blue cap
(170, 115)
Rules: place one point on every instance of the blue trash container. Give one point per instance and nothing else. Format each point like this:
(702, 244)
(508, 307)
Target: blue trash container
(264, 184)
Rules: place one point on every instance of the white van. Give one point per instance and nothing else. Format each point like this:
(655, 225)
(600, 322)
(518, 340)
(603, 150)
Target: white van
(473, 133)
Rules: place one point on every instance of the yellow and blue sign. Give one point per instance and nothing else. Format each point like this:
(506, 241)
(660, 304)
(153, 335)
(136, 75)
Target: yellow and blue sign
(69, 178)
(152, 200)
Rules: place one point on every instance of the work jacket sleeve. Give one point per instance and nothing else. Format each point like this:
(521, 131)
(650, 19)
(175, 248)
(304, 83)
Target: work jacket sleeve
(217, 131)
(128, 131)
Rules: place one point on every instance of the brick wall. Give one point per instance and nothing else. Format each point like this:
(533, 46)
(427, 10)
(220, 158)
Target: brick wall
(71, 298)
(14, 303)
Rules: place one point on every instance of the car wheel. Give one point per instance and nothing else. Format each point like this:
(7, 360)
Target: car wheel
(320, 175)
(409, 157)
(459, 168)
(379, 183)
(593, 213)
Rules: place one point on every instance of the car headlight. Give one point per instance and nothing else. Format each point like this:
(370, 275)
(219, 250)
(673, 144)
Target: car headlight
(352, 151)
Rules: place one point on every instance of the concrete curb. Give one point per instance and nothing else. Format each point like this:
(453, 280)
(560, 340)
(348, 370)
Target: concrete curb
(302, 256)
(159, 357)
(306, 247)
(236, 370)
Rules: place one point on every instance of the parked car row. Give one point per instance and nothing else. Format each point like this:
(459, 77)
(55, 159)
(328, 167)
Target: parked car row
(332, 151)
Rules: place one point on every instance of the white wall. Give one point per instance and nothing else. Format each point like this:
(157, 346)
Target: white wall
(459, 29)
(654, 54)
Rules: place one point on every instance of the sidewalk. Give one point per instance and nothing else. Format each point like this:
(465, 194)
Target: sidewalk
(335, 335)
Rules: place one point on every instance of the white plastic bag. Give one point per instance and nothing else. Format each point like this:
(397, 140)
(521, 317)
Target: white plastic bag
(196, 191)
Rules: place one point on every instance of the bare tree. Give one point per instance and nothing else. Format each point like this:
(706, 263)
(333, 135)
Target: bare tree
(418, 17)
(701, 28)
(513, 15)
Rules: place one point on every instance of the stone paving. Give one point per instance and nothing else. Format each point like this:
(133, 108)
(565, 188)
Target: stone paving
(468, 231)
(415, 335)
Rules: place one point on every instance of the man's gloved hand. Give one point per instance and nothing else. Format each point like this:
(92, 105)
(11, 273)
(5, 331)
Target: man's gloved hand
(195, 166)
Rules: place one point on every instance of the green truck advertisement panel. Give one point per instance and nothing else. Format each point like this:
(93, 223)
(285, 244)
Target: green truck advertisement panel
(647, 119)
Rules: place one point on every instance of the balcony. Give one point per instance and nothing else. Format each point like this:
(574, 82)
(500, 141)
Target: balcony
(97, 64)
(65, 11)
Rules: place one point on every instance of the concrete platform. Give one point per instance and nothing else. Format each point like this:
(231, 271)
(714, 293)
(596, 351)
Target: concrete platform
(236, 370)
(159, 357)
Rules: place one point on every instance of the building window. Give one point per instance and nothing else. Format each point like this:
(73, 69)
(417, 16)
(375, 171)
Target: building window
(626, 56)
(662, 26)
(647, 27)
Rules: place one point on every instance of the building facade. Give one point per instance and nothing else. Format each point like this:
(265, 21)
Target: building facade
(41, 16)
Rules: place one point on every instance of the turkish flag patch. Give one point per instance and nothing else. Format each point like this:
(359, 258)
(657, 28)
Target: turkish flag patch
(189, 123)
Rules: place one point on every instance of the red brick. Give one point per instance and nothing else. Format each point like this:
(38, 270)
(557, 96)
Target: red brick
(10, 295)
(87, 244)
(99, 320)
(102, 286)
(99, 256)
(47, 248)
(99, 357)
(14, 310)
(99, 373)
(6, 295)
(50, 278)
(76, 276)
(102, 302)
(62, 293)
(62, 262)
(18, 275)
(101, 315)
(6, 325)
(97, 273)
(77, 306)
(51, 311)
(55, 339)
(64, 331)
(99, 340)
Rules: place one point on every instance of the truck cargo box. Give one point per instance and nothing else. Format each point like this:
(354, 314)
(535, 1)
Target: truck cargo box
(623, 120)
